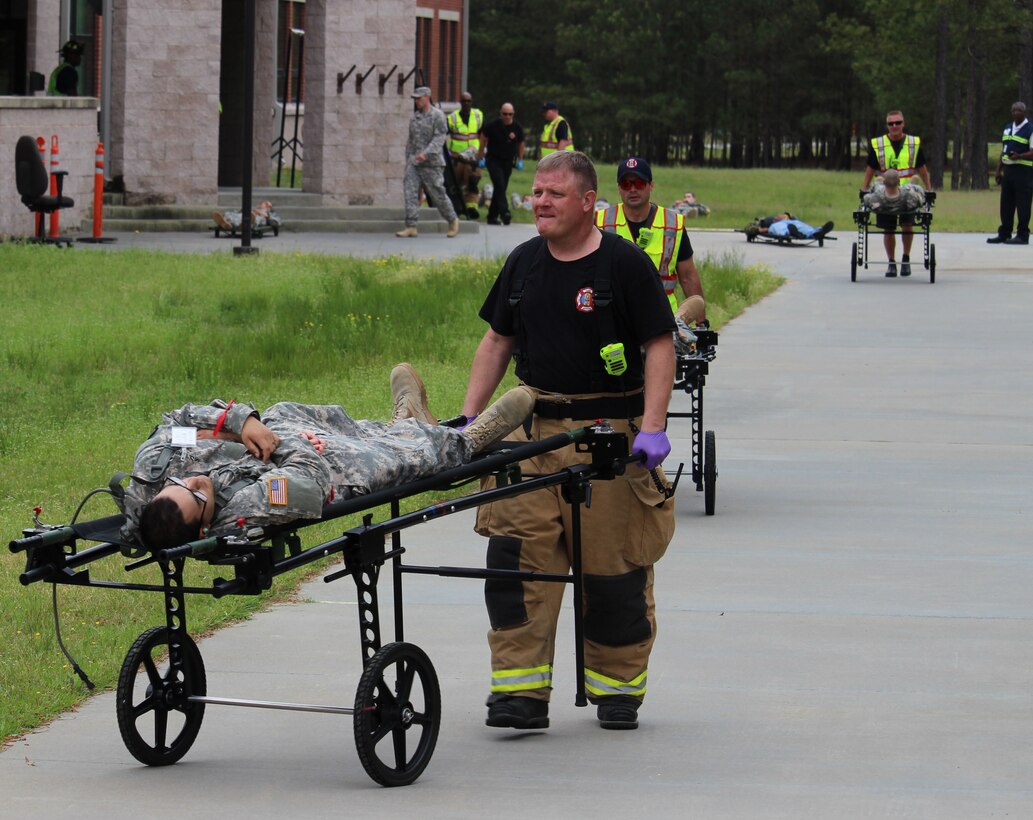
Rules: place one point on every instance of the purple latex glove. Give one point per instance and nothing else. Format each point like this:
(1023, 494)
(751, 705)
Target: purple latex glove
(654, 448)
(469, 421)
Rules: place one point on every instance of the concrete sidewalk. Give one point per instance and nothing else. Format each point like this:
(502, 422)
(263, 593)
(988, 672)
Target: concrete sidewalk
(849, 636)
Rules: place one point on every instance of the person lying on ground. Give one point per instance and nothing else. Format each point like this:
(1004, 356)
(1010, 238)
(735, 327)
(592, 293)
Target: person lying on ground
(261, 216)
(207, 466)
(786, 226)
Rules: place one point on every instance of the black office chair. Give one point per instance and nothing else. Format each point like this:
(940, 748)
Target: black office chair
(34, 184)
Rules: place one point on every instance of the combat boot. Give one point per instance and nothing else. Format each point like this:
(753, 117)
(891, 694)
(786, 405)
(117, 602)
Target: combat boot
(409, 395)
(409, 231)
(453, 228)
(618, 712)
(501, 418)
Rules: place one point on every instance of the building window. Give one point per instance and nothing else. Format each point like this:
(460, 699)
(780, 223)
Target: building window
(289, 78)
(424, 29)
(448, 31)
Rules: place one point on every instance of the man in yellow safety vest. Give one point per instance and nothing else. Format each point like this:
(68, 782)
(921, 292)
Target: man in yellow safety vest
(557, 134)
(660, 232)
(903, 153)
(464, 127)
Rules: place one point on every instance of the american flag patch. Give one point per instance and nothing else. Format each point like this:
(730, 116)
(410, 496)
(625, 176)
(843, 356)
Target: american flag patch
(277, 492)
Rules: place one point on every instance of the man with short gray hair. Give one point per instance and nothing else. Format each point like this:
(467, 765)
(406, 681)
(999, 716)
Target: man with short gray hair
(425, 164)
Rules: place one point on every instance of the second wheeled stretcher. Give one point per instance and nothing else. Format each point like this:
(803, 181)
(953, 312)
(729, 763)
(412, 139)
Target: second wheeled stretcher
(162, 686)
(692, 364)
(923, 219)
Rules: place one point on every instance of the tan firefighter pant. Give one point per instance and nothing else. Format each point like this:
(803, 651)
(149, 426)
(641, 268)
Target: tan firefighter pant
(626, 530)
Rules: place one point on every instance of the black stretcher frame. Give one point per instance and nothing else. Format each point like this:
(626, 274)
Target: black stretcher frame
(398, 692)
(923, 220)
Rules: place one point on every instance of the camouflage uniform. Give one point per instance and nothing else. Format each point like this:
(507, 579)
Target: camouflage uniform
(427, 134)
(360, 457)
(909, 198)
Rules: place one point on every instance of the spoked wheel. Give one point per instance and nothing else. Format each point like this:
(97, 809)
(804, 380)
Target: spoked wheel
(155, 716)
(397, 714)
(709, 471)
(853, 264)
(932, 264)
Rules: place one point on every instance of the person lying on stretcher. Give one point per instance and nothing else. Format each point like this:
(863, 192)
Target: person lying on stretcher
(207, 466)
(785, 226)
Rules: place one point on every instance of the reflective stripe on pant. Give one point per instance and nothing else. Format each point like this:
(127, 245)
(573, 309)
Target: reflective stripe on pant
(623, 534)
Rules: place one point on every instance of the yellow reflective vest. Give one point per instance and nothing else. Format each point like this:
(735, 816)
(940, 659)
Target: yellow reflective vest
(548, 144)
(903, 162)
(463, 135)
(661, 241)
(1018, 137)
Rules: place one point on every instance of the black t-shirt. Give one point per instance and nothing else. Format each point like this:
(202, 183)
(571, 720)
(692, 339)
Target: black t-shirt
(503, 139)
(684, 249)
(560, 335)
(873, 158)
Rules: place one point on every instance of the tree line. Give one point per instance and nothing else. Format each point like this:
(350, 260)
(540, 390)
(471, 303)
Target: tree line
(746, 84)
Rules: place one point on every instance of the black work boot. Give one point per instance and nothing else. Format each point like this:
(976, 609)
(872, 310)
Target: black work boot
(509, 712)
(618, 712)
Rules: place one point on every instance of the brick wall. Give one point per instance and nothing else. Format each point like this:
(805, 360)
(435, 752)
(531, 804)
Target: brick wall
(355, 142)
(165, 85)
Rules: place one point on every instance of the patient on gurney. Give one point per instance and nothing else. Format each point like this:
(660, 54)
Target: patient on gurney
(888, 197)
(207, 466)
(786, 226)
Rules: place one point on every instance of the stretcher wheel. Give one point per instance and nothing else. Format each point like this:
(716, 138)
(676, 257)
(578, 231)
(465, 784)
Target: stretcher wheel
(853, 263)
(397, 714)
(932, 264)
(709, 471)
(155, 716)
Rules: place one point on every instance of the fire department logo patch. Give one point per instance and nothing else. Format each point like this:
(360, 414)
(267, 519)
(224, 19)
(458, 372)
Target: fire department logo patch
(584, 302)
(632, 163)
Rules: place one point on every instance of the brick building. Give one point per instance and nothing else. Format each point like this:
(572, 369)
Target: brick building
(168, 78)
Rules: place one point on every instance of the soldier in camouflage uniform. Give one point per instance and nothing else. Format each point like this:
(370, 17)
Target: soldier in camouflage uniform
(425, 163)
(294, 459)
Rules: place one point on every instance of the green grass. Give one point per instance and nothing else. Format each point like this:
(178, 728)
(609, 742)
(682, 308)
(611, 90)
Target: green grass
(93, 353)
(735, 196)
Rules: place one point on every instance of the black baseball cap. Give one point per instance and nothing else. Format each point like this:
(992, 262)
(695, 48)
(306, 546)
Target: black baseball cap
(636, 166)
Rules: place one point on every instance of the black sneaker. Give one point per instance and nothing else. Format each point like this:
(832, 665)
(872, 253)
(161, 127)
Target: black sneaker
(824, 230)
(905, 268)
(1017, 240)
(795, 232)
(891, 271)
(509, 712)
(506, 219)
(996, 240)
(618, 712)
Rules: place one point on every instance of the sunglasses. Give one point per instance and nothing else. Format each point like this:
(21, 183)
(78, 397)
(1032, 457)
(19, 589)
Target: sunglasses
(630, 182)
(894, 122)
(199, 497)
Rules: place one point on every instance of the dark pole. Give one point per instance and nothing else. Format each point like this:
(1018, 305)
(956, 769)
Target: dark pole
(283, 118)
(249, 128)
(297, 99)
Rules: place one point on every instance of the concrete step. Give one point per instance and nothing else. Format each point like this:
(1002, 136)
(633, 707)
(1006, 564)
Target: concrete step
(428, 224)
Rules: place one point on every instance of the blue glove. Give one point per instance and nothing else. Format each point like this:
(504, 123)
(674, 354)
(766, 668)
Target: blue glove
(520, 165)
(469, 421)
(653, 447)
(480, 162)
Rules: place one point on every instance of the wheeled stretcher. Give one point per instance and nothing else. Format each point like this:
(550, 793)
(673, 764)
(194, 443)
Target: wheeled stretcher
(923, 219)
(161, 702)
(691, 368)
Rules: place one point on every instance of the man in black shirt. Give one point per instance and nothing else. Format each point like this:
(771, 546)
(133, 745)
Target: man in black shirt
(502, 147)
(559, 333)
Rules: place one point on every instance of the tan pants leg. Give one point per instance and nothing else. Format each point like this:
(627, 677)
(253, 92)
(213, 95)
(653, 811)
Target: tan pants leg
(623, 534)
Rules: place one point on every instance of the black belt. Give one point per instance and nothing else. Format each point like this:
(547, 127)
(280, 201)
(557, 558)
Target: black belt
(605, 407)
